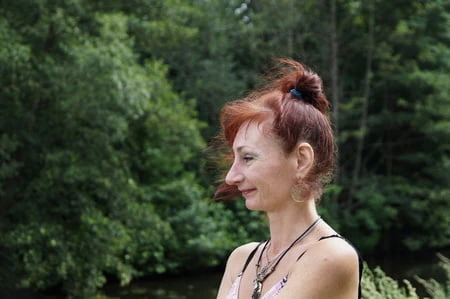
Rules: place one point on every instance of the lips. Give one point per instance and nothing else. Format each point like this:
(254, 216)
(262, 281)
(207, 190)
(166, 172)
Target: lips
(246, 192)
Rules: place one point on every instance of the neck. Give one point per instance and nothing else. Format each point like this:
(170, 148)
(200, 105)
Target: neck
(287, 225)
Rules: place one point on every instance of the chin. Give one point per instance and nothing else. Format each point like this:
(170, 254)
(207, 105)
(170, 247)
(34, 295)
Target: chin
(252, 205)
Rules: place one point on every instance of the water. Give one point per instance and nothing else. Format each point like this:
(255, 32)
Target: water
(198, 286)
(205, 286)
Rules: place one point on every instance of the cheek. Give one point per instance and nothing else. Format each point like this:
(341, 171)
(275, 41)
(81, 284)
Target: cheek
(274, 176)
(282, 177)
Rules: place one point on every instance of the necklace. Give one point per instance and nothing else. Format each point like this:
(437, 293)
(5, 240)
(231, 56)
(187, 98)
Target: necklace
(265, 271)
(270, 261)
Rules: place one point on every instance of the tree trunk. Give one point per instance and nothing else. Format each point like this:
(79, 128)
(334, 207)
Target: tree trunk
(334, 79)
(365, 103)
(290, 43)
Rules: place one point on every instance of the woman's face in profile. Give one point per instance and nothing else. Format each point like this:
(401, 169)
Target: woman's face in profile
(261, 170)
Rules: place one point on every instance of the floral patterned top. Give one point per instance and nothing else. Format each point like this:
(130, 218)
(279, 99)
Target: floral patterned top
(268, 295)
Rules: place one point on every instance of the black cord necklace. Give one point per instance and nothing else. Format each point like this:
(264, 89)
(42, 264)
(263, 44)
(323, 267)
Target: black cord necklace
(270, 267)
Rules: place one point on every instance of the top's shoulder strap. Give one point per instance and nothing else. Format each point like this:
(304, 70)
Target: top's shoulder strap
(250, 256)
(331, 236)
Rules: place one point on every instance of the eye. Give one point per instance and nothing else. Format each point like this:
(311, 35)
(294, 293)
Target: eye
(247, 158)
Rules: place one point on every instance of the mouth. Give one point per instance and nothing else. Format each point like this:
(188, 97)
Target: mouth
(247, 192)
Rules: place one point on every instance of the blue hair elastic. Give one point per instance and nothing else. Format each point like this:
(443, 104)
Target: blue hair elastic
(296, 93)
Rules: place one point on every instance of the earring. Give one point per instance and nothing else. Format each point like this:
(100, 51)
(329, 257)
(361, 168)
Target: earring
(296, 194)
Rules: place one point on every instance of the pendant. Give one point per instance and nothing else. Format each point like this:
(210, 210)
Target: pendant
(263, 272)
(257, 288)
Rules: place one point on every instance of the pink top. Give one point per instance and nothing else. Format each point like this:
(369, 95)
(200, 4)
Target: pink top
(233, 294)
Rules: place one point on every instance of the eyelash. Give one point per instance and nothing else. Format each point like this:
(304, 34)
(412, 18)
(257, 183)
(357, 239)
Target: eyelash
(247, 158)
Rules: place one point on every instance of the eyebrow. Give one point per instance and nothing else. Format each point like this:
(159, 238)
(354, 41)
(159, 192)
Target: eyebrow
(239, 149)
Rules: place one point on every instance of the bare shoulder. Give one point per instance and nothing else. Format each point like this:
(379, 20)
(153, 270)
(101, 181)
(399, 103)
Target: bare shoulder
(335, 252)
(235, 263)
(241, 253)
(238, 257)
(332, 271)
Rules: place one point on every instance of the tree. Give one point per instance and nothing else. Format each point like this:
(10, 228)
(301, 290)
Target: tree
(75, 107)
(396, 192)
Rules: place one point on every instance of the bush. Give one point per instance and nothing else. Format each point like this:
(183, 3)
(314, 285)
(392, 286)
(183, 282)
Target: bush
(377, 285)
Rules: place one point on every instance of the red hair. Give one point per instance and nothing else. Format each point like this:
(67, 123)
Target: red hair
(293, 121)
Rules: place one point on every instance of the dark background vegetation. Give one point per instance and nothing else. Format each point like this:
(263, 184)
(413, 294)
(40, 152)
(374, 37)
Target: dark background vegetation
(106, 108)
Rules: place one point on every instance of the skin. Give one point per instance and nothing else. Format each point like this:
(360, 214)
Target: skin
(266, 176)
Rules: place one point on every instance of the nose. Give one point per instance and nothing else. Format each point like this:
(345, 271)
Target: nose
(234, 176)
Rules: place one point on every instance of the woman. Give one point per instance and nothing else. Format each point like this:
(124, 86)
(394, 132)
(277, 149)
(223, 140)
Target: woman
(283, 152)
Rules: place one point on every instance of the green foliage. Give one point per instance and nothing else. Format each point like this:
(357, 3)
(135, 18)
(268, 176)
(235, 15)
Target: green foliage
(402, 187)
(434, 288)
(92, 141)
(376, 284)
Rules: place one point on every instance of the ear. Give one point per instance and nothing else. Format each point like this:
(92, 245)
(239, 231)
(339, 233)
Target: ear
(305, 159)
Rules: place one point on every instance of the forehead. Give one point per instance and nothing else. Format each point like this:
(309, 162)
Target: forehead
(256, 135)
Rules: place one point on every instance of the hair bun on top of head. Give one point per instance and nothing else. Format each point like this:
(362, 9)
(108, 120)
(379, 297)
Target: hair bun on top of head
(301, 83)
